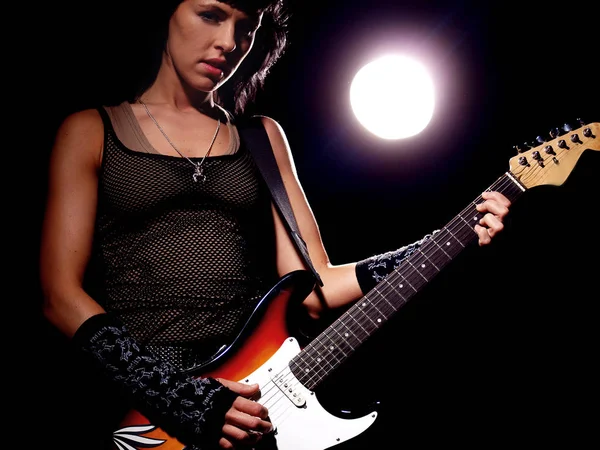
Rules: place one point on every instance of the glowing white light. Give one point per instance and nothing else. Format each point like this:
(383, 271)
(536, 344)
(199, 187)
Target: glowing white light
(393, 97)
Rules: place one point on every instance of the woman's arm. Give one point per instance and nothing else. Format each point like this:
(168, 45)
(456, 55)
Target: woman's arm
(340, 283)
(68, 225)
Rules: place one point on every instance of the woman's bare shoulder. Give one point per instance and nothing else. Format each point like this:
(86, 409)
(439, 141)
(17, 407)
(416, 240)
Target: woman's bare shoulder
(80, 133)
(85, 120)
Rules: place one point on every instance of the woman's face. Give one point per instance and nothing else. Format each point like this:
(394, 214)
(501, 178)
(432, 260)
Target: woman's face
(208, 40)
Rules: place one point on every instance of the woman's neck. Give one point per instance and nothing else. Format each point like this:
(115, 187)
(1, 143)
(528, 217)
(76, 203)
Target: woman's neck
(181, 102)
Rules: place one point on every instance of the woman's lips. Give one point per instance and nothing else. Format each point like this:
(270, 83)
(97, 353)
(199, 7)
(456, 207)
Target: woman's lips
(213, 70)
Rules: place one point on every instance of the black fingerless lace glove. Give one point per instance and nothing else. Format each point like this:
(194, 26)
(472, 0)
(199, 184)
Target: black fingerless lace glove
(372, 270)
(188, 408)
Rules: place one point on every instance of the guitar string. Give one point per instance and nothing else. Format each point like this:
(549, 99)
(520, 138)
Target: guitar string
(458, 228)
(285, 408)
(279, 408)
(459, 224)
(276, 401)
(276, 414)
(382, 308)
(434, 258)
(385, 307)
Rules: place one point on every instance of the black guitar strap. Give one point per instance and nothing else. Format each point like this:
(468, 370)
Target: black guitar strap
(253, 133)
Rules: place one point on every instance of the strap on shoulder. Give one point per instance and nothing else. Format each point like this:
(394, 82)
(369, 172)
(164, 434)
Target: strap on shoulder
(253, 133)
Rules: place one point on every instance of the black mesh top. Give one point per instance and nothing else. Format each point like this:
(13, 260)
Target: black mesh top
(183, 263)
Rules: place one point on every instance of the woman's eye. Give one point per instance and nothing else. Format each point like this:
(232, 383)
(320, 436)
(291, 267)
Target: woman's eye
(209, 16)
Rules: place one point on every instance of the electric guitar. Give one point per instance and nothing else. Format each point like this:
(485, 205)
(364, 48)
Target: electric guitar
(266, 353)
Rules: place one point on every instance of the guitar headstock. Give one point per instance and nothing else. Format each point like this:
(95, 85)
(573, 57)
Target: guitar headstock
(551, 162)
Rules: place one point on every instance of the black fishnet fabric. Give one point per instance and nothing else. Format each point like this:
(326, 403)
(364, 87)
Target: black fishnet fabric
(182, 263)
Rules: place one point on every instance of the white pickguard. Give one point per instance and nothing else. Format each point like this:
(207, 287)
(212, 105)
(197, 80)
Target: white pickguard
(309, 426)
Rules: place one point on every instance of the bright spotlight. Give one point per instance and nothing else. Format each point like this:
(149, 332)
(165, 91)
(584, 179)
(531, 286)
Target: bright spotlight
(393, 97)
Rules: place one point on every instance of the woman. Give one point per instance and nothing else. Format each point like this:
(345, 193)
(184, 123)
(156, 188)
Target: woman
(160, 238)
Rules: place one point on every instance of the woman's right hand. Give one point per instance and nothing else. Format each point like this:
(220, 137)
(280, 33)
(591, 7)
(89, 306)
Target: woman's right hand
(247, 420)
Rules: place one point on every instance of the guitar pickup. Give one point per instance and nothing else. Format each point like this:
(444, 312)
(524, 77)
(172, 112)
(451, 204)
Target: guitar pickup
(290, 387)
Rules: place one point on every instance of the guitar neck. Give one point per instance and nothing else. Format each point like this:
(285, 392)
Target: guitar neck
(338, 341)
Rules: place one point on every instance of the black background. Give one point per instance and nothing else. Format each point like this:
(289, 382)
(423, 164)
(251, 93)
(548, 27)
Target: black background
(500, 347)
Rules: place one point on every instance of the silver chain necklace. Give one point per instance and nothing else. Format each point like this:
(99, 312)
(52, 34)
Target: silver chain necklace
(198, 169)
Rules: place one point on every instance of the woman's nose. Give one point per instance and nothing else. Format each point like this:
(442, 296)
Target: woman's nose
(226, 38)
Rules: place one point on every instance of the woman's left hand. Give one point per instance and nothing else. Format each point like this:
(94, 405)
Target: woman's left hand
(495, 207)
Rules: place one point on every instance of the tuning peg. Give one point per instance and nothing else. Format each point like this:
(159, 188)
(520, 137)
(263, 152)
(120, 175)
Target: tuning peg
(580, 121)
(567, 127)
(540, 140)
(527, 146)
(554, 132)
(518, 149)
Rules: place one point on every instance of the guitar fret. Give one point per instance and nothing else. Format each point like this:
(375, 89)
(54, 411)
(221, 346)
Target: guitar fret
(470, 223)
(456, 238)
(417, 270)
(367, 333)
(379, 311)
(322, 356)
(329, 349)
(431, 261)
(342, 339)
(422, 265)
(395, 287)
(414, 278)
(308, 374)
(350, 336)
(333, 350)
(348, 329)
(437, 256)
(304, 364)
(385, 306)
(465, 227)
(442, 249)
(402, 283)
(368, 326)
(365, 312)
(448, 239)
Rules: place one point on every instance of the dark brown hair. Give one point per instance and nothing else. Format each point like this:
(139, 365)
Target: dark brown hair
(270, 43)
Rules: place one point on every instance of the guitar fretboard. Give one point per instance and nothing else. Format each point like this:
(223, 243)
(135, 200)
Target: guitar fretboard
(338, 341)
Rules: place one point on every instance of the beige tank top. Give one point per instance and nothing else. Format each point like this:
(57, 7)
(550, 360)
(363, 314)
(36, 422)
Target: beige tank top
(131, 135)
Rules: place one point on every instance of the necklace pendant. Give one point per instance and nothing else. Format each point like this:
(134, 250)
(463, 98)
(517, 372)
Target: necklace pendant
(198, 174)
